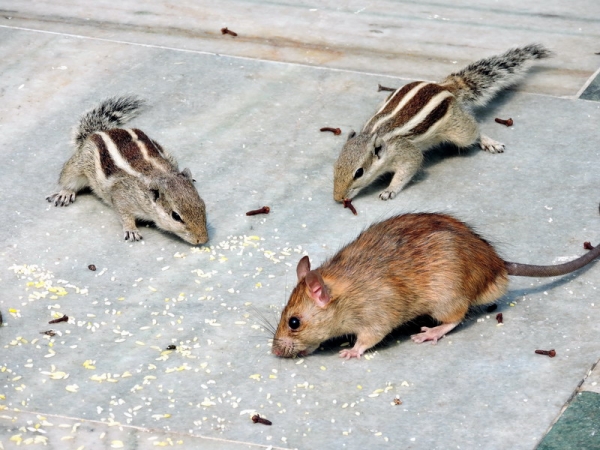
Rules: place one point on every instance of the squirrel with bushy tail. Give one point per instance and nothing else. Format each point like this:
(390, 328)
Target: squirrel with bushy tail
(421, 115)
(132, 173)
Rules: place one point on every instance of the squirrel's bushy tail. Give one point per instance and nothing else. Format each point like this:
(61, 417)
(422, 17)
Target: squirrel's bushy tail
(477, 83)
(111, 113)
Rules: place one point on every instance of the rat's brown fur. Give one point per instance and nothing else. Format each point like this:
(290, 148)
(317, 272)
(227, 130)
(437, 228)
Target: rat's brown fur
(395, 271)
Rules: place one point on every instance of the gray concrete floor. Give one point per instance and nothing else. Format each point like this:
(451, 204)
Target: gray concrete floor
(244, 115)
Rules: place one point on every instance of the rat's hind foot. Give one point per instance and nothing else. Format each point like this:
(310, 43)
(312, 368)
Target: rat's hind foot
(433, 334)
(351, 353)
(63, 198)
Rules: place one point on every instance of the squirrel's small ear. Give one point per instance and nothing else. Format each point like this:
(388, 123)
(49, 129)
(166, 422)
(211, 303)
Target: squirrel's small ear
(155, 187)
(188, 174)
(351, 134)
(377, 147)
(303, 267)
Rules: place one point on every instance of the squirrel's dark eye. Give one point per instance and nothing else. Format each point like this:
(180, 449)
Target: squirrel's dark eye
(155, 193)
(377, 150)
(358, 173)
(294, 323)
(176, 217)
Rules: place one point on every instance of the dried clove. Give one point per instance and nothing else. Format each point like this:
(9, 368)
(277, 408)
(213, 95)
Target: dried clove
(228, 31)
(383, 88)
(335, 131)
(588, 246)
(263, 210)
(499, 317)
(397, 401)
(92, 267)
(257, 419)
(348, 204)
(507, 122)
(64, 318)
(550, 353)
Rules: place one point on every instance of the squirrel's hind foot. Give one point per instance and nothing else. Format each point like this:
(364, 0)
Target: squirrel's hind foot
(490, 145)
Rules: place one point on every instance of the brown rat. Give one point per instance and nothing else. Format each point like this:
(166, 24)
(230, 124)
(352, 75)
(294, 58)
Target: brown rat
(395, 271)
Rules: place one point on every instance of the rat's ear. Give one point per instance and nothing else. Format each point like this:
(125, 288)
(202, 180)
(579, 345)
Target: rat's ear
(317, 289)
(303, 267)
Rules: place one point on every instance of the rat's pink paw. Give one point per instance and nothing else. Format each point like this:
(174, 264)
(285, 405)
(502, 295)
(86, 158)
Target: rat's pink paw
(433, 334)
(349, 354)
(426, 334)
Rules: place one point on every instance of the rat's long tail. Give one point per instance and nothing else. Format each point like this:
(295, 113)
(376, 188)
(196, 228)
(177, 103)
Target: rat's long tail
(526, 270)
(477, 83)
(110, 113)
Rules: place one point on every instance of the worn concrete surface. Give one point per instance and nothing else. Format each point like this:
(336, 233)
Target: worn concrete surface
(410, 39)
(249, 131)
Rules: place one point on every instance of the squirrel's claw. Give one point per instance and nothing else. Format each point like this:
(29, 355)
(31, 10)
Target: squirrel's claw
(133, 235)
(62, 198)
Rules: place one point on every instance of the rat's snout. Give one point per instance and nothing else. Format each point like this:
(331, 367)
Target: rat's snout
(277, 351)
(284, 348)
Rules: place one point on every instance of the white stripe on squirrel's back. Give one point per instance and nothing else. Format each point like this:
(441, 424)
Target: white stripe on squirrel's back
(421, 115)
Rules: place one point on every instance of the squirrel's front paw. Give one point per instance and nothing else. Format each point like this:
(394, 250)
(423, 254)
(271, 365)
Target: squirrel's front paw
(490, 145)
(63, 198)
(133, 235)
(387, 195)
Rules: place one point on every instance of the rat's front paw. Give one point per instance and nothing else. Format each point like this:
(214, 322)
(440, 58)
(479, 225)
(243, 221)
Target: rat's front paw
(349, 354)
(133, 235)
(387, 195)
(64, 198)
(490, 145)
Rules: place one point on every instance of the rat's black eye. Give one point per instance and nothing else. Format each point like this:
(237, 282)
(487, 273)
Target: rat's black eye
(176, 217)
(377, 150)
(294, 323)
(358, 173)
